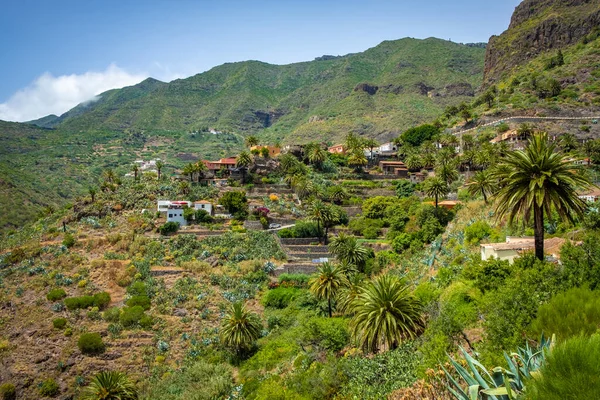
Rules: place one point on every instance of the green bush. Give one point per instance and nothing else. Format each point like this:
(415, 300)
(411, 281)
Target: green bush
(168, 228)
(417, 135)
(137, 288)
(59, 323)
(326, 333)
(100, 300)
(112, 314)
(401, 242)
(571, 371)
(202, 216)
(8, 391)
(133, 316)
(295, 280)
(139, 300)
(56, 294)
(91, 343)
(280, 297)
(477, 231)
(366, 227)
(302, 229)
(69, 240)
(573, 313)
(49, 388)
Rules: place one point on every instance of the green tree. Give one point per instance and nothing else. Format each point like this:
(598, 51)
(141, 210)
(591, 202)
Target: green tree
(386, 313)
(357, 159)
(200, 169)
(568, 142)
(413, 162)
(315, 154)
(159, 166)
(110, 385)
(251, 141)
(435, 187)
(370, 144)
(92, 193)
(538, 180)
(135, 169)
(189, 169)
(347, 250)
(327, 282)
(235, 202)
(318, 212)
(243, 160)
(418, 135)
(481, 183)
(240, 328)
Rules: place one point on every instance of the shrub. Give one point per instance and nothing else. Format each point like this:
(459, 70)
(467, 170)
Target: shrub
(137, 288)
(69, 240)
(202, 216)
(571, 371)
(280, 297)
(140, 300)
(294, 280)
(100, 300)
(401, 242)
(56, 294)
(131, 316)
(112, 314)
(49, 388)
(477, 231)
(91, 343)
(8, 391)
(327, 333)
(168, 228)
(575, 312)
(59, 323)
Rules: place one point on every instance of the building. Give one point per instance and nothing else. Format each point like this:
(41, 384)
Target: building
(175, 212)
(274, 151)
(394, 168)
(417, 177)
(448, 204)
(514, 247)
(204, 205)
(163, 205)
(223, 163)
(591, 196)
(218, 182)
(337, 149)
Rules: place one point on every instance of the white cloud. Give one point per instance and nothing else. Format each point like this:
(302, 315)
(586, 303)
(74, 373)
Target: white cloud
(55, 95)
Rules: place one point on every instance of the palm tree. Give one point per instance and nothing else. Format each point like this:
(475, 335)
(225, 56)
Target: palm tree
(110, 385)
(319, 213)
(481, 183)
(568, 142)
(159, 167)
(386, 313)
(327, 282)
(337, 194)
(370, 144)
(243, 160)
(353, 142)
(589, 148)
(435, 187)
(348, 294)
(240, 328)
(287, 162)
(447, 172)
(302, 186)
(92, 193)
(357, 159)
(200, 168)
(413, 162)
(135, 169)
(109, 175)
(184, 187)
(347, 250)
(536, 180)
(251, 141)
(189, 169)
(316, 155)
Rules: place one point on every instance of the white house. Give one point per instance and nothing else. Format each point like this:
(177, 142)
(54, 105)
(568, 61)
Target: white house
(591, 196)
(163, 205)
(514, 247)
(175, 212)
(204, 205)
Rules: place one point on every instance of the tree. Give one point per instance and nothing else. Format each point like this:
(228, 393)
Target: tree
(386, 313)
(488, 97)
(538, 180)
(404, 188)
(135, 169)
(417, 135)
(319, 213)
(189, 169)
(370, 144)
(92, 193)
(200, 168)
(159, 167)
(353, 142)
(481, 183)
(347, 250)
(184, 187)
(568, 142)
(337, 194)
(243, 160)
(235, 202)
(357, 159)
(327, 282)
(240, 328)
(348, 293)
(110, 385)
(466, 115)
(435, 187)
(264, 152)
(315, 154)
(251, 141)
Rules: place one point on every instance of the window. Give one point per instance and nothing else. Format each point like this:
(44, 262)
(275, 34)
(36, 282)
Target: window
(170, 215)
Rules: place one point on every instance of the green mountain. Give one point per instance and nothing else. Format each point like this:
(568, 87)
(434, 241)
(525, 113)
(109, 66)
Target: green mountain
(381, 91)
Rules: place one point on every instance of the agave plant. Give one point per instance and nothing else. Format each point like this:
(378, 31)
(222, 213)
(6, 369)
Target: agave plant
(500, 384)
(110, 385)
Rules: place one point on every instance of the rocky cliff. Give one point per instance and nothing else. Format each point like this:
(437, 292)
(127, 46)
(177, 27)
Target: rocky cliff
(538, 26)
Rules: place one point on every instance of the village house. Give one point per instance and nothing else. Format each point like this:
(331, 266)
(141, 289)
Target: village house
(337, 149)
(274, 151)
(223, 163)
(163, 205)
(204, 205)
(394, 168)
(514, 247)
(591, 196)
(417, 177)
(217, 182)
(175, 212)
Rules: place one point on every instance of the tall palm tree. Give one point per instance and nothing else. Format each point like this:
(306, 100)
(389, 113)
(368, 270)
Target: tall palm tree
(316, 155)
(357, 159)
(413, 162)
(589, 148)
(243, 160)
(110, 385)
(435, 187)
(347, 250)
(200, 169)
(159, 167)
(386, 313)
(92, 193)
(327, 282)
(184, 187)
(568, 142)
(481, 183)
(349, 292)
(370, 144)
(319, 213)
(135, 169)
(353, 142)
(448, 172)
(538, 180)
(189, 169)
(251, 141)
(303, 186)
(337, 194)
(240, 328)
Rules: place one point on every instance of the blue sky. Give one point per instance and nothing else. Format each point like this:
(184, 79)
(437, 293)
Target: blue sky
(59, 53)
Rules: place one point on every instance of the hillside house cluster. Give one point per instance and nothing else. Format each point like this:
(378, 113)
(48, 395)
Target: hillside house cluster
(274, 151)
(174, 209)
(397, 168)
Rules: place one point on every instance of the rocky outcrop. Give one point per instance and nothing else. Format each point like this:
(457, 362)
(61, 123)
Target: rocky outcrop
(365, 87)
(538, 26)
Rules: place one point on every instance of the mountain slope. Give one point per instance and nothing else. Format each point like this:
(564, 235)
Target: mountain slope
(252, 96)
